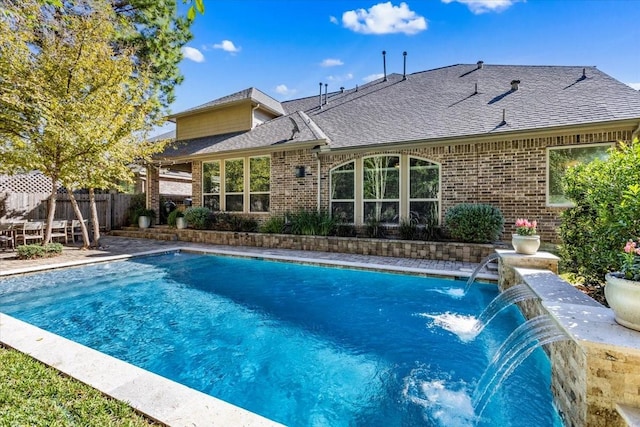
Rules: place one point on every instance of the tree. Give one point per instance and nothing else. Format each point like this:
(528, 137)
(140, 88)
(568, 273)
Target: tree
(73, 105)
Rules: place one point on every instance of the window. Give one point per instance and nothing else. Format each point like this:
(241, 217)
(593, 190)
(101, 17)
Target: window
(234, 185)
(237, 178)
(424, 190)
(343, 193)
(211, 185)
(559, 159)
(381, 188)
(259, 182)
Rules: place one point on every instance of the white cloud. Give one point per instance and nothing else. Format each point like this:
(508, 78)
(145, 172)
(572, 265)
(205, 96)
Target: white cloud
(333, 20)
(481, 6)
(193, 54)
(384, 18)
(331, 62)
(342, 78)
(372, 77)
(284, 90)
(636, 86)
(227, 46)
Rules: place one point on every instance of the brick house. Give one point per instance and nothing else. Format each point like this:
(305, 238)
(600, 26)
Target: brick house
(405, 145)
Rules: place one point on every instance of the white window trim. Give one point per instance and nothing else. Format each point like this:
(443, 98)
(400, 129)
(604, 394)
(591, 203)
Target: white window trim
(548, 171)
(355, 186)
(246, 193)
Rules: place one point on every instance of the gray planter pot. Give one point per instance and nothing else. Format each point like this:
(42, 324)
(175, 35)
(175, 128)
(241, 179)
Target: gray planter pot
(144, 221)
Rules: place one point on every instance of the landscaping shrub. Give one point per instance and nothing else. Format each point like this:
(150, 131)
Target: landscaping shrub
(223, 221)
(374, 228)
(274, 225)
(606, 214)
(137, 204)
(345, 230)
(475, 223)
(312, 223)
(199, 218)
(408, 229)
(39, 251)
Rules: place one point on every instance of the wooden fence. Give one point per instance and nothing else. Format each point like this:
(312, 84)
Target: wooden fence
(112, 208)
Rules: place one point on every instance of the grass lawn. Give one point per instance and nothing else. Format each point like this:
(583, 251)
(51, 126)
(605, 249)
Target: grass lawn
(32, 394)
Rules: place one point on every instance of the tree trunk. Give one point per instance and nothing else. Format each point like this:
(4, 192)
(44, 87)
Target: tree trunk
(51, 211)
(83, 227)
(94, 218)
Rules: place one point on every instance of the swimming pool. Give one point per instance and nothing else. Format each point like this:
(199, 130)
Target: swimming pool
(299, 344)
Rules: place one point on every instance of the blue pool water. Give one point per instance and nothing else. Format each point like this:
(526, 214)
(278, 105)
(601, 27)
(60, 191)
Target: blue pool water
(302, 345)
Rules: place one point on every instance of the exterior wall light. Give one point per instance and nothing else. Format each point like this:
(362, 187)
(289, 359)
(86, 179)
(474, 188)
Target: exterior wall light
(300, 172)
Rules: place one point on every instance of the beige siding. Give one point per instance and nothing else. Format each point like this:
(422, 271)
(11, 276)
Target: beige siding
(231, 119)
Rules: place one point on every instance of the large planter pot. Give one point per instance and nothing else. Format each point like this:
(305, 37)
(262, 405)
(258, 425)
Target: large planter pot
(526, 245)
(181, 223)
(144, 221)
(623, 297)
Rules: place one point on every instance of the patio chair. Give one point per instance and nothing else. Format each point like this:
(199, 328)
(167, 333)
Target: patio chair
(32, 230)
(59, 230)
(7, 236)
(74, 229)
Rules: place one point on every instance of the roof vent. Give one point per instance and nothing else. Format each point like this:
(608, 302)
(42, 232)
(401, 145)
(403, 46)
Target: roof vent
(404, 72)
(326, 98)
(480, 64)
(341, 89)
(320, 97)
(515, 84)
(476, 90)
(384, 64)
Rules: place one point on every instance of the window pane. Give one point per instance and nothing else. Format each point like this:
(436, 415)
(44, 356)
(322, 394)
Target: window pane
(386, 212)
(562, 159)
(211, 177)
(260, 172)
(423, 180)
(234, 203)
(381, 177)
(259, 202)
(342, 182)
(211, 202)
(234, 176)
(424, 212)
(343, 212)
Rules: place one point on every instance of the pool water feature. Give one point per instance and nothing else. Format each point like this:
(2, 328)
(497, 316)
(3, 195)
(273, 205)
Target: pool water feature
(299, 344)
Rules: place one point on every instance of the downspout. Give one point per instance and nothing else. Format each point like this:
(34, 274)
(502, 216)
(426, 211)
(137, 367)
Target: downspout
(319, 181)
(253, 109)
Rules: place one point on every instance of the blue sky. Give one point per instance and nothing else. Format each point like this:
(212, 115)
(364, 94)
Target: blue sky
(286, 47)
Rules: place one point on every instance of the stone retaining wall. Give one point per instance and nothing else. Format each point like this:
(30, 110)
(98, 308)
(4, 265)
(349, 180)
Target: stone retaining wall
(440, 251)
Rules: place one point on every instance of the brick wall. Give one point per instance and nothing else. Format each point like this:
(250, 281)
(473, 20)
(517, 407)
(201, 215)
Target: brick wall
(508, 174)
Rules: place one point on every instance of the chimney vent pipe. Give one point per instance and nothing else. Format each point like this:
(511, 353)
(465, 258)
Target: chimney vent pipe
(515, 84)
(320, 97)
(404, 72)
(384, 64)
(480, 64)
(326, 98)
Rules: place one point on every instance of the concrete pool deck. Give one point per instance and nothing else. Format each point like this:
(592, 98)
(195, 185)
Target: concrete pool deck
(159, 398)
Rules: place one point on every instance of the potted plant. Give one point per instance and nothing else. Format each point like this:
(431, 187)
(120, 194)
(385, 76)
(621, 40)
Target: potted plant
(525, 241)
(145, 218)
(622, 290)
(176, 219)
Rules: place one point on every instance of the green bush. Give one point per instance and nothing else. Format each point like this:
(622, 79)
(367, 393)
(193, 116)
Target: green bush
(172, 217)
(345, 230)
(199, 218)
(606, 214)
(475, 223)
(224, 221)
(274, 225)
(137, 204)
(374, 228)
(39, 251)
(312, 223)
(408, 229)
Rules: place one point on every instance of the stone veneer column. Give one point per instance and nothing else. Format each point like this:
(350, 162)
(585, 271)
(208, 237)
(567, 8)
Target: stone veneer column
(153, 190)
(595, 378)
(196, 183)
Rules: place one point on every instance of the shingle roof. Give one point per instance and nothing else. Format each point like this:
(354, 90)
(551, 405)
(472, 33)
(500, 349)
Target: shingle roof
(285, 130)
(441, 103)
(251, 93)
